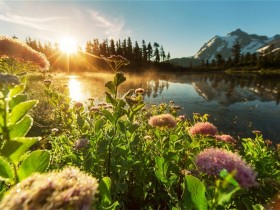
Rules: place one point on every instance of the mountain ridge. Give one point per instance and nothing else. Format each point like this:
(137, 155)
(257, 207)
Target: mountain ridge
(249, 43)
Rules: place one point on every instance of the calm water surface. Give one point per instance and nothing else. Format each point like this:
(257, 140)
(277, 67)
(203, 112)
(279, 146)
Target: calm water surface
(237, 104)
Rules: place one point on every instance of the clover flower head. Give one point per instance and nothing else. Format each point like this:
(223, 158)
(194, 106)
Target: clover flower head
(94, 109)
(203, 128)
(81, 143)
(213, 160)
(225, 138)
(14, 48)
(163, 120)
(7, 80)
(78, 105)
(66, 189)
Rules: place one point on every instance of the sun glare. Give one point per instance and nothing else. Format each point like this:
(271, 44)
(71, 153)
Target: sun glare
(68, 44)
(75, 88)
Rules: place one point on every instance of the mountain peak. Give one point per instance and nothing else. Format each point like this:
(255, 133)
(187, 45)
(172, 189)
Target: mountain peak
(237, 32)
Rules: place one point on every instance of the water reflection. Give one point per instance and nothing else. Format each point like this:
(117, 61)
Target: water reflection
(75, 89)
(237, 104)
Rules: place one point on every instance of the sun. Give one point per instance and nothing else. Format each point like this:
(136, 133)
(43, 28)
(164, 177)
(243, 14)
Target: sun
(68, 45)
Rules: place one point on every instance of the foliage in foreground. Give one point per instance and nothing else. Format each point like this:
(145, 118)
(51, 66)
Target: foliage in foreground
(144, 158)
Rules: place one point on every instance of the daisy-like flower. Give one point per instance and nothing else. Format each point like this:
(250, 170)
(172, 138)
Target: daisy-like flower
(67, 189)
(212, 161)
(163, 120)
(203, 128)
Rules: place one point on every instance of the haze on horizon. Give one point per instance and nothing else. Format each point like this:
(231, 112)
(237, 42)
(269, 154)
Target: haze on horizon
(182, 27)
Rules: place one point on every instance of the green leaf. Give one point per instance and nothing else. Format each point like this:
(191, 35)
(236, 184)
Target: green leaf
(36, 161)
(119, 78)
(229, 177)
(196, 190)
(21, 128)
(6, 170)
(111, 86)
(17, 99)
(161, 169)
(17, 90)
(110, 99)
(104, 189)
(98, 124)
(108, 115)
(20, 110)
(14, 149)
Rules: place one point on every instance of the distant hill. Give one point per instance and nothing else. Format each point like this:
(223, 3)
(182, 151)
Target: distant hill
(250, 43)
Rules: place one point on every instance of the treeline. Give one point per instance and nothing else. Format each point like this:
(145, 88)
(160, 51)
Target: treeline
(268, 58)
(89, 58)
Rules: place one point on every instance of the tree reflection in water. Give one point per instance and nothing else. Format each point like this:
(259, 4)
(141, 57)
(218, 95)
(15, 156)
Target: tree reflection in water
(238, 104)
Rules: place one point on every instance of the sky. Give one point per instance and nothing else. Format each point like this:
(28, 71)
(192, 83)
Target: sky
(181, 27)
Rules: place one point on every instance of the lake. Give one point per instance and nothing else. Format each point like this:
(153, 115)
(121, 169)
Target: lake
(237, 104)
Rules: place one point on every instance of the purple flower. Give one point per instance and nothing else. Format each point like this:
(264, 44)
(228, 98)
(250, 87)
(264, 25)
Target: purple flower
(67, 189)
(81, 143)
(163, 120)
(212, 161)
(226, 138)
(203, 128)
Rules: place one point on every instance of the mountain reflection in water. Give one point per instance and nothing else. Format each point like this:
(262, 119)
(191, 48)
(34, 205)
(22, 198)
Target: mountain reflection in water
(237, 104)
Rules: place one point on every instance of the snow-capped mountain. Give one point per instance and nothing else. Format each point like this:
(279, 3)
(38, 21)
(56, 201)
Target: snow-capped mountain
(250, 43)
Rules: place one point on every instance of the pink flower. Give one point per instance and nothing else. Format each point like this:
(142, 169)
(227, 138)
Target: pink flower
(163, 120)
(203, 128)
(14, 48)
(66, 189)
(226, 138)
(212, 161)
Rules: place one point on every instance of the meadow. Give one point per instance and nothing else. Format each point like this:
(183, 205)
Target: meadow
(120, 154)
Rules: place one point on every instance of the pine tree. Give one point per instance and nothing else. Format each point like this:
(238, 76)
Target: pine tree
(156, 52)
(149, 51)
(236, 52)
(144, 51)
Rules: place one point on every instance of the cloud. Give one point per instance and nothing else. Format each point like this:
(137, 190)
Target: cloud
(37, 23)
(112, 28)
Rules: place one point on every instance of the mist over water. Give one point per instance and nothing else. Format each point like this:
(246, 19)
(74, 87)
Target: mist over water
(237, 104)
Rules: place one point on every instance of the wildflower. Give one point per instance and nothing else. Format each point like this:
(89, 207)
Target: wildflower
(139, 91)
(226, 138)
(91, 99)
(7, 80)
(81, 143)
(116, 61)
(181, 117)
(47, 83)
(14, 48)
(185, 172)
(203, 128)
(108, 106)
(256, 132)
(268, 142)
(163, 120)
(78, 105)
(212, 161)
(176, 108)
(94, 109)
(55, 130)
(67, 189)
